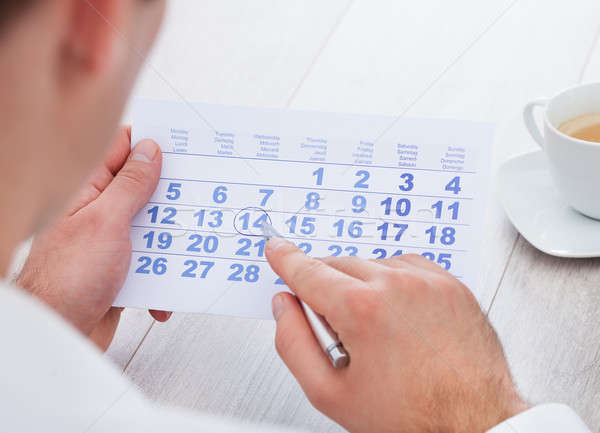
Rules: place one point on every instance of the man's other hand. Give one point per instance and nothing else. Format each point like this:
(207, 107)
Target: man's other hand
(79, 263)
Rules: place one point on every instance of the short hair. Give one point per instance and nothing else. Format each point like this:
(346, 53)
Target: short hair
(10, 9)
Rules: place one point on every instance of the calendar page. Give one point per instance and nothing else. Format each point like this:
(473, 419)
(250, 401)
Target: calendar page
(334, 184)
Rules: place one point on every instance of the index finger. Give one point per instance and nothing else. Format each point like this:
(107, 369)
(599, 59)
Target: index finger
(316, 283)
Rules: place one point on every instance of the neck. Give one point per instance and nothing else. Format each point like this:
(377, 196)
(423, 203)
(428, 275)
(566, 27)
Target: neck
(20, 204)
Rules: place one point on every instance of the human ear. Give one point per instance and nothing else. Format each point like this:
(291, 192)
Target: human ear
(92, 42)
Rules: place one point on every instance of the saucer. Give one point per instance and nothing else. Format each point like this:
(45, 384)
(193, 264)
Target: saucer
(536, 209)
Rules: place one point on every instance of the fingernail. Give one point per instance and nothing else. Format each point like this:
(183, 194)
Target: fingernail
(144, 151)
(277, 306)
(276, 243)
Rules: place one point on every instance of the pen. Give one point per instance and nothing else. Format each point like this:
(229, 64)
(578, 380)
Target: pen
(325, 335)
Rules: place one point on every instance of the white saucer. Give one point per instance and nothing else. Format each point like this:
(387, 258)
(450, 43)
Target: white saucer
(536, 209)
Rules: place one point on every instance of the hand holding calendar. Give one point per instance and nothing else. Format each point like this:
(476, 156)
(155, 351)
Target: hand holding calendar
(79, 263)
(331, 183)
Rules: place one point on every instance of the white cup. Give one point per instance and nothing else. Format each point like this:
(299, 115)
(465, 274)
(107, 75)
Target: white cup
(574, 163)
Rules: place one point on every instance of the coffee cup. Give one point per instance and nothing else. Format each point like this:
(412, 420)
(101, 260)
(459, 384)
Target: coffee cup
(574, 163)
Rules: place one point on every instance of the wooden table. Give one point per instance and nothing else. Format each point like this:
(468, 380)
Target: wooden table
(466, 59)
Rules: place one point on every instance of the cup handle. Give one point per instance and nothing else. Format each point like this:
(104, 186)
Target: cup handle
(530, 122)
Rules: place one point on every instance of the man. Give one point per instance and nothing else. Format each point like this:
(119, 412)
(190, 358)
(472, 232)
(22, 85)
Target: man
(424, 358)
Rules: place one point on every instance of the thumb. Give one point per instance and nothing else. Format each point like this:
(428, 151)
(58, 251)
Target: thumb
(134, 184)
(300, 351)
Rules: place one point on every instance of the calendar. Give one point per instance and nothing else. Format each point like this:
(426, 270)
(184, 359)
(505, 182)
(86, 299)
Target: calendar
(334, 184)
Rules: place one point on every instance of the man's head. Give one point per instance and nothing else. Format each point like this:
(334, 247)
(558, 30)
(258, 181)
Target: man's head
(66, 70)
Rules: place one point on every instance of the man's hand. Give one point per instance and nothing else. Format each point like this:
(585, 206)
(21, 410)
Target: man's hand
(78, 265)
(423, 357)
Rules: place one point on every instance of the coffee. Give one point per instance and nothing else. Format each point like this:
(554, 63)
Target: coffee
(586, 127)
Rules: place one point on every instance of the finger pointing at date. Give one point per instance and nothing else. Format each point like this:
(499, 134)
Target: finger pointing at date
(416, 336)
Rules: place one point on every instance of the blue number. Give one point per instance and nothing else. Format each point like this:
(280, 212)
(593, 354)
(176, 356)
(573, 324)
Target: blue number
(401, 229)
(145, 262)
(164, 240)
(174, 191)
(251, 275)
(443, 259)
(432, 235)
(380, 253)
(219, 194)
(429, 256)
(247, 243)
(360, 203)
(312, 200)
(319, 173)
(200, 216)
(388, 204)
(340, 227)
(454, 185)
(218, 218)
(438, 206)
(362, 182)
(447, 238)
(209, 245)
(307, 227)
(207, 267)
(383, 253)
(267, 193)
(245, 220)
(408, 182)
(337, 250)
(260, 221)
(355, 229)
(216, 214)
(352, 251)
(159, 266)
(189, 272)
(170, 211)
(243, 251)
(149, 237)
(292, 223)
(448, 235)
(454, 208)
(193, 265)
(153, 212)
(279, 281)
(306, 247)
(383, 228)
(237, 270)
(402, 206)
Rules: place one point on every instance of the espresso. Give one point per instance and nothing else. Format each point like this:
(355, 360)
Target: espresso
(586, 127)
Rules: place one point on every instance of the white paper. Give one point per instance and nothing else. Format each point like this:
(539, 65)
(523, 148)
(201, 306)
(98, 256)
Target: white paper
(332, 183)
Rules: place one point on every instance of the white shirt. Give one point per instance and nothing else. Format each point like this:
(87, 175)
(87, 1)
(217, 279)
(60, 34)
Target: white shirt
(53, 380)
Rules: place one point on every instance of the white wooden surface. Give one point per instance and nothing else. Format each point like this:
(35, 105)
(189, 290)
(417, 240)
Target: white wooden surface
(463, 59)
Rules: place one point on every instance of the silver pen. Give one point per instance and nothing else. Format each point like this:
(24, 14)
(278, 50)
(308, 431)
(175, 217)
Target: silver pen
(324, 334)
